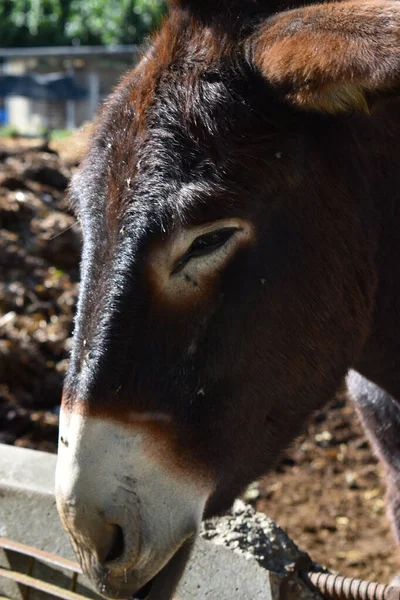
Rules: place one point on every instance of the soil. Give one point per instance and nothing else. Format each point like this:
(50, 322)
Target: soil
(327, 492)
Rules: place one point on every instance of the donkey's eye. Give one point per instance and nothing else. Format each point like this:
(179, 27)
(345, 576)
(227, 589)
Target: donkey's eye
(209, 242)
(205, 244)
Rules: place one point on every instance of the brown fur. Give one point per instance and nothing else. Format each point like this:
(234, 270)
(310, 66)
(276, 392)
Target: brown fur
(329, 56)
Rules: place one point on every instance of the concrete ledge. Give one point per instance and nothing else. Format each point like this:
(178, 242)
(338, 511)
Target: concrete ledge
(241, 556)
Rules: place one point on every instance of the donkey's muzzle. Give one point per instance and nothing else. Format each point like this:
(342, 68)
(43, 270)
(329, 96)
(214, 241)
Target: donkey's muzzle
(99, 542)
(129, 511)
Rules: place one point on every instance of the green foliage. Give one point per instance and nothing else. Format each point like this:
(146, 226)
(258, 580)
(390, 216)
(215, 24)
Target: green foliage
(57, 22)
(114, 22)
(60, 134)
(8, 131)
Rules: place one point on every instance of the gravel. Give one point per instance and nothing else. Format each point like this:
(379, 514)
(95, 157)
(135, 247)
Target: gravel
(252, 535)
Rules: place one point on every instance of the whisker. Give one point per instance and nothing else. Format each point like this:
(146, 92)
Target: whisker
(65, 230)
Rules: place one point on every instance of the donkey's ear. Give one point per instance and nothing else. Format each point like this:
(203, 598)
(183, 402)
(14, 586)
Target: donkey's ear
(328, 57)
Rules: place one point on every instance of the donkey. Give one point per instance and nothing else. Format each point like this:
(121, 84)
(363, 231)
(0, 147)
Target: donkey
(240, 208)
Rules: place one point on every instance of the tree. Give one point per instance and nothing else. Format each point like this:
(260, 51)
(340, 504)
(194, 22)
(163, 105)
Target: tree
(120, 21)
(58, 22)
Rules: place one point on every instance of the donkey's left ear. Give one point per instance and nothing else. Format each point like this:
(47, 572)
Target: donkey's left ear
(327, 57)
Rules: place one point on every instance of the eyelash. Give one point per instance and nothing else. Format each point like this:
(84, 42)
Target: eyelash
(204, 245)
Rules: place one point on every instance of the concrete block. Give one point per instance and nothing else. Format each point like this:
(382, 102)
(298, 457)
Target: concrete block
(240, 556)
(28, 514)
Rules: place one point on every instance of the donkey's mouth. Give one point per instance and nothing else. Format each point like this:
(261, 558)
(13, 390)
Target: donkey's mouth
(145, 591)
(162, 586)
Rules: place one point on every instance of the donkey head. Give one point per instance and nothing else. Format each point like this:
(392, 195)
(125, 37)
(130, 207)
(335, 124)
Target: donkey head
(227, 276)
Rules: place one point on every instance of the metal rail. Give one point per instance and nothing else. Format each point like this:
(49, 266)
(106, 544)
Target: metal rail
(38, 584)
(28, 581)
(40, 555)
(70, 51)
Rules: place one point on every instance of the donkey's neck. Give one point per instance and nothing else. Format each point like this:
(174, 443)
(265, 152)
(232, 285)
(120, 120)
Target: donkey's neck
(380, 360)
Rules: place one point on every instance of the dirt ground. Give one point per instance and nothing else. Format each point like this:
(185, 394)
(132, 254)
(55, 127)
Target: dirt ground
(327, 492)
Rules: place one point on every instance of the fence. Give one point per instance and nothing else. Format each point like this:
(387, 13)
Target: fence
(32, 103)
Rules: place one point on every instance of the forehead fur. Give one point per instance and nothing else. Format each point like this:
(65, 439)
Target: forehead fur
(173, 123)
(168, 75)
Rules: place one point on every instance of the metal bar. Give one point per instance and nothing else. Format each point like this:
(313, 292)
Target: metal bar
(336, 587)
(29, 571)
(41, 555)
(38, 584)
(70, 51)
(74, 581)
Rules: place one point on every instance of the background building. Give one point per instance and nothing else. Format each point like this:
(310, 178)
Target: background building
(57, 88)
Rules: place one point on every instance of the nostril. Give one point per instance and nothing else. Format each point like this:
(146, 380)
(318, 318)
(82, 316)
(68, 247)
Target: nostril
(116, 548)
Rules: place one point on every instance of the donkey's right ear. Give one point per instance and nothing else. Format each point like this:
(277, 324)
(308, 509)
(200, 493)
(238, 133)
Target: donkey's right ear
(326, 57)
